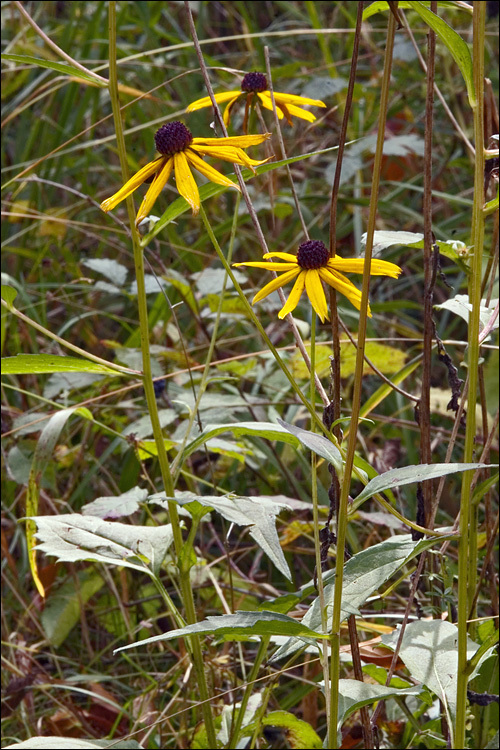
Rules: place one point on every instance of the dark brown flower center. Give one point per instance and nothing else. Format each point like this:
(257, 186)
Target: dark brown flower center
(254, 82)
(172, 138)
(312, 254)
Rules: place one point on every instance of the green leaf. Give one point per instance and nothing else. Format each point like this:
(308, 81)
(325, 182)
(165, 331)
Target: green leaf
(382, 5)
(65, 68)
(257, 512)
(429, 651)
(239, 625)
(111, 506)
(267, 430)
(55, 742)
(364, 573)
(9, 294)
(63, 607)
(456, 45)
(411, 474)
(316, 443)
(72, 537)
(354, 694)
(29, 364)
(299, 734)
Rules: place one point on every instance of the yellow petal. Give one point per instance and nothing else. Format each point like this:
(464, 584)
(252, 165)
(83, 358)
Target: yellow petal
(294, 296)
(212, 174)
(132, 184)
(316, 293)
(224, 96)
(154, 190)
(344, 286)
(282, 256)
(227, 112)
(186, 185)
(270, 266)
(356, 265)
(292, 99)
(240, 141)
(267, 103)
(384, 268)
(275, 284)
(304, 114)
(227, 153)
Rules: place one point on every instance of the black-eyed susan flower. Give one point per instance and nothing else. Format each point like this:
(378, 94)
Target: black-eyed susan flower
(310, 267)
(179, 151)
(254, 85)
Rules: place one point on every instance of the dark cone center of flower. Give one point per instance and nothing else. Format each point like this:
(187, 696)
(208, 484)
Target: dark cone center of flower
(312, 254)
(172, 138)
(254, 82)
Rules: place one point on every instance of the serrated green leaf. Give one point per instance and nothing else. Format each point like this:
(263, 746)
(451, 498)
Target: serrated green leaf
(257, 512)
(73, 537)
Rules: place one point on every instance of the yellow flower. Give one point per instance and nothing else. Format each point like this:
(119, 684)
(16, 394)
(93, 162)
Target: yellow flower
(179, 151)
(255, 85)
(310, 267)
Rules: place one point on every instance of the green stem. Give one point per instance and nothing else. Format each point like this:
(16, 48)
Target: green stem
(187, 594)
(466, 566)
(240, 714)
(356, 399)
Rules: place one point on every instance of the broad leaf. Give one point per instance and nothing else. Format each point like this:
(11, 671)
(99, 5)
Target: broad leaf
(257, 512)
(73, 537)
(354, 694)
(412, 474)
(316, 443)
(364, 573)
(430, 653)
(240, 625)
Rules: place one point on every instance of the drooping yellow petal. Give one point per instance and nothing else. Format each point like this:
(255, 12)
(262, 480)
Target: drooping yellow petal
(212, 174)
(227, 153)
(316, 293)
(269, 266)
(227, 112)
(276, 283)
(282, 256)
(299, 100)
(303, 114)
(205, 101)
(267, 103)
(356, 265)
(186, 184)
(154, 190)
(294, 296)
(344, 286)
(240, 141)
(132, 184)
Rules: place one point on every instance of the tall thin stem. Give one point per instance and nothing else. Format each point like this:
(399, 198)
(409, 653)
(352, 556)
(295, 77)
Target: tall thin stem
(356, 400)
(466, 567)
(168, 484)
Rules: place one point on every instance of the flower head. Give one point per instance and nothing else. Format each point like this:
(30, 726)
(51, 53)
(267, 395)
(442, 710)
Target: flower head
(179, 151)
(310, 267)
(254, 85)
